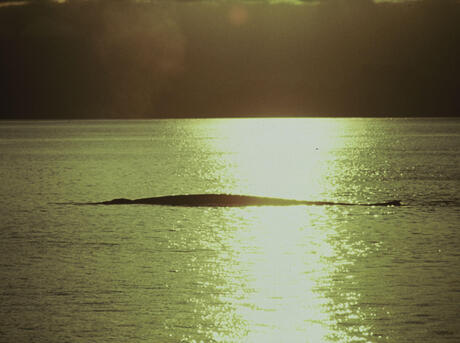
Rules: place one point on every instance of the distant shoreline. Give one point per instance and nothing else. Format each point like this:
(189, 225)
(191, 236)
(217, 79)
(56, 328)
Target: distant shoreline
(455, 116)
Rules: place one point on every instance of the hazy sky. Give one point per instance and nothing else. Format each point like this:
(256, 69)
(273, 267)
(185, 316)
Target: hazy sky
(125, 59)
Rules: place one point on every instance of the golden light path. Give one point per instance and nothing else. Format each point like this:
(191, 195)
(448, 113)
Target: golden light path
(281, 256)
(278, 157)
(277, 259)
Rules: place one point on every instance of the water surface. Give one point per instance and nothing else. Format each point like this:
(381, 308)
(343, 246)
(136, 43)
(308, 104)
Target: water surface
(260, 274)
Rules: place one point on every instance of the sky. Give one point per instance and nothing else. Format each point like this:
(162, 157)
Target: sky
(165, 59)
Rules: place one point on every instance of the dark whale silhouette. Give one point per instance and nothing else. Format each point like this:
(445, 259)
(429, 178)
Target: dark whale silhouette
(228, 200)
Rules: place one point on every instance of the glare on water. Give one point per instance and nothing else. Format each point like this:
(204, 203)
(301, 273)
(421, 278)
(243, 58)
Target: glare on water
(283, 157)
(278, 256)
(281, 258)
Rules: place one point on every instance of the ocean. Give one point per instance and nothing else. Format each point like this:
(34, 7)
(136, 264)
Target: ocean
(143, 273)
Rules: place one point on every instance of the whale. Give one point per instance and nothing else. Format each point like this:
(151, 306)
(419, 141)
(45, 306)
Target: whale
(229, 200)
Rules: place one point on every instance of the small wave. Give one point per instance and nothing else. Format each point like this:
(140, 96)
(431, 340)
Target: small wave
(433, 203)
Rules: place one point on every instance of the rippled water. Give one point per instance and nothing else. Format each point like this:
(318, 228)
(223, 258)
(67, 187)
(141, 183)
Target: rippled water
(139, 273)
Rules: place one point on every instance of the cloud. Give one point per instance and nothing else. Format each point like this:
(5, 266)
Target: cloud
(125, 59)
(138, 50)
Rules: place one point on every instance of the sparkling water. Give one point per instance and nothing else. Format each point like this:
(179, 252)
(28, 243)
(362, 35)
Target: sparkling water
(140, 273)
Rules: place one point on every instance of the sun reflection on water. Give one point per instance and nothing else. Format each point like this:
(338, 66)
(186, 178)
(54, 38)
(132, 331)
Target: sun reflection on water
(276, 263)
(282, 157)
(279, 258)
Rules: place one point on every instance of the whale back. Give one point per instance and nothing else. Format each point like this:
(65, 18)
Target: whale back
(119, 201)
(229, 200)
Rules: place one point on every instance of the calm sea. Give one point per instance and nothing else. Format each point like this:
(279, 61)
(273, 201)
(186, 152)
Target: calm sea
(140, 273)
